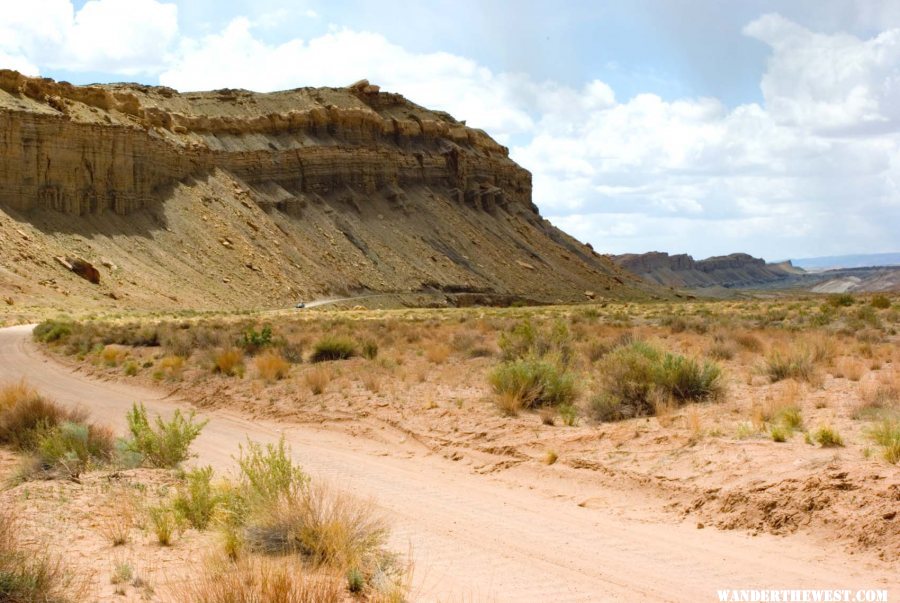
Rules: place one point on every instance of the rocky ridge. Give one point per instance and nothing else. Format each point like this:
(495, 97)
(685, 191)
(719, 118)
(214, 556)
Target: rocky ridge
(235, 198)
(737, 270)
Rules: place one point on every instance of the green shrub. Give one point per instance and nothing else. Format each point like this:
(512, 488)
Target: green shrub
(167, 445)
(74, 446)
(525, 340)
(267, 476)
(840, 299)
(268, 473)
(628, 376)
(686, 379)
(605, 408)
(636, 374)
(887, 435)
(53, 330)
(533, 383)
(253, 341)
(789, 417)
(355, 580)
(780, 433)
(881, 302)
(333, 348)
(196, 499)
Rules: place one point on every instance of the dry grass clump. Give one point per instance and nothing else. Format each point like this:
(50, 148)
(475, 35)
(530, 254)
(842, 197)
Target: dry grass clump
(748, 341)
(30, 575)
(271, 366)
(260, 580)
(25, 415)
(470, 344)
(326, 526)
(171, 367)
(780, 414)
(849, 368)
(821, 347)
(112, 355)
(229, 361)
(722, 348)
(275, 509)
(437, 353)
(57, 439)
(790, 363)
(596, 349)
(12, 393)
(887, 435)
(120, 511)
(371, 382)
(318, 378)
(879, 399)
(827, 437)
(333, 348)
(165, 522)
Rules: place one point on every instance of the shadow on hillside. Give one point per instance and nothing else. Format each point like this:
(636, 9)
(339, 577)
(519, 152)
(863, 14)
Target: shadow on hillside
(139, 223)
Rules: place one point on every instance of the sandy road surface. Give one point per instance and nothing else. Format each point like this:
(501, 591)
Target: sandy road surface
(477, 538)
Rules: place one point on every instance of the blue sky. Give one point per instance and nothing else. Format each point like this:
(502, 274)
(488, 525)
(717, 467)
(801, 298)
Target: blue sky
(699, 126)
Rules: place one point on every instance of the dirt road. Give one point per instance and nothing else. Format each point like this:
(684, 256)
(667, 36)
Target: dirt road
(480, 538)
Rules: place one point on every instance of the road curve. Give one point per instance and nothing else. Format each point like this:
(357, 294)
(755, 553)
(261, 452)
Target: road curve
(474, 538)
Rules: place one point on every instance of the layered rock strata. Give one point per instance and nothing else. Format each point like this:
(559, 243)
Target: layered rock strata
(81, 150)
(237, 199)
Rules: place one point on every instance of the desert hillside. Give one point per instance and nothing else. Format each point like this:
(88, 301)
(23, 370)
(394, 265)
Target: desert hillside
(232, 199)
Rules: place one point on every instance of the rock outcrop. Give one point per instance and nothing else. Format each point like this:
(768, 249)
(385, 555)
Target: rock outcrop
(81, 150)
(737, 270)
(236, 198)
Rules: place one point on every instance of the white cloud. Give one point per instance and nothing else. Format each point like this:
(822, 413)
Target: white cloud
(126, 37)
(830, 83)
(120, 36)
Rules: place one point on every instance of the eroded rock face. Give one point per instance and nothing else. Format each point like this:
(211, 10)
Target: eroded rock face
(232, 199)
(86, 150)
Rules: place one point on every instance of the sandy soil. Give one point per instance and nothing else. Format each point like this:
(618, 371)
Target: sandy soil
(484, 519)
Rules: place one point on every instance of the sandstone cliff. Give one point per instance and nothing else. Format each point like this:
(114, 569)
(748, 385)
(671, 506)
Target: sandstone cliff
(233, 198)
(737, 270)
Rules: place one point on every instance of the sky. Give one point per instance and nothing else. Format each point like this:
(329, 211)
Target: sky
(688, 126)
